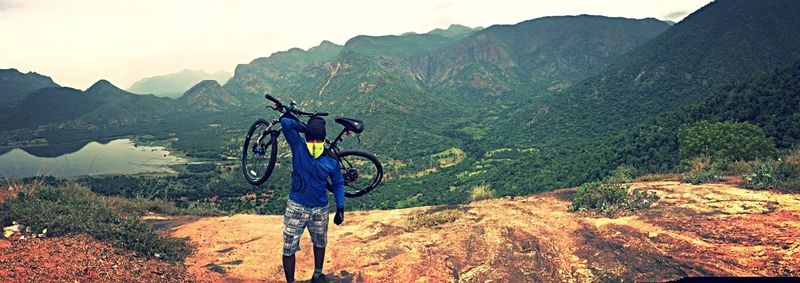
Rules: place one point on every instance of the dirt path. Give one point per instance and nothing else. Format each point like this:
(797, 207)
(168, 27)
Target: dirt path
(692, 231)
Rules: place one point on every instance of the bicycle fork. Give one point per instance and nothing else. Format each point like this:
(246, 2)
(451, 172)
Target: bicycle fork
(259, 147)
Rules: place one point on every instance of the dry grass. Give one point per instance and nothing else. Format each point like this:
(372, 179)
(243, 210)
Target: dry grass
(435, 219)
(481, 192)
(655, 177)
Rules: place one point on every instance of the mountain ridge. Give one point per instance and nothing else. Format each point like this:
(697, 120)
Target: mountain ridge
(15, 85)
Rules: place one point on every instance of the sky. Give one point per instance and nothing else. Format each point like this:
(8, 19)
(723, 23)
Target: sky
(77, 42)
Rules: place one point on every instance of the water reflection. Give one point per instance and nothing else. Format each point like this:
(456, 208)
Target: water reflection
(119, 156)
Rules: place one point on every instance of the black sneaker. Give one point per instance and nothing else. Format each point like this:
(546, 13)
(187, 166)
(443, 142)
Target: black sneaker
(319, 279)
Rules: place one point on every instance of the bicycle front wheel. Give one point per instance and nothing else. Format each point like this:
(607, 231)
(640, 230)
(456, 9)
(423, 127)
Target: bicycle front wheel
(259, 152)
(361, 170)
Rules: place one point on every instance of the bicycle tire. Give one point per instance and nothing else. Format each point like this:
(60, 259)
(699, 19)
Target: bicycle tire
(347, 164)
(250, 174)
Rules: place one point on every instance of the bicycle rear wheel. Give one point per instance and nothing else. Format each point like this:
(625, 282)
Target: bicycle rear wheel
(361, 170)
(259, 152)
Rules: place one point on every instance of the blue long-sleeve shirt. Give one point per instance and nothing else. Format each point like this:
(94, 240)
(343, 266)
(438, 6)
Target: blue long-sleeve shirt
(309, 175)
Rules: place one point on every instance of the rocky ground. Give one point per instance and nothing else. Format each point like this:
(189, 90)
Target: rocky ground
(79, 258)
(702, 230)
(694, 230)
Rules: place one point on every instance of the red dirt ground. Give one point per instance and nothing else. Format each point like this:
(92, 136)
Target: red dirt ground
(79, 258)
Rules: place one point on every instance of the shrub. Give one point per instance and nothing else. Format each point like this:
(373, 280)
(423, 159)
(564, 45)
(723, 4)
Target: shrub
(611, 195)
(430, 220)
(74, 209)
(782, 174)
(789, 173)
(762, 177)
(481, 192)
(702, 170)
(700, 164)
(740, 168)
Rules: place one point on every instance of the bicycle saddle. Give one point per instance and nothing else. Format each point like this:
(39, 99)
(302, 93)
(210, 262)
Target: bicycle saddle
(353, 125)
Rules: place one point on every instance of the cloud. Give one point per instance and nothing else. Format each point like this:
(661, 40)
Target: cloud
(443, 6)
(6, 5)
(676, 15)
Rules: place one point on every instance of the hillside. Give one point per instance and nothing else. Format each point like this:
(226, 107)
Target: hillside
(703, 230)
(14, 86)
(683, 65)
(579, 129)
(396, 81)
(175, 84)
(210, 96)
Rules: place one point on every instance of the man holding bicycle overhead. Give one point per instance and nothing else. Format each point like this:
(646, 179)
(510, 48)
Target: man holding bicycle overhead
(307, 206)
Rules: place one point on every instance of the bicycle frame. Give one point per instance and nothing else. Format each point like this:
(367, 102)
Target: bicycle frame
(333, 145)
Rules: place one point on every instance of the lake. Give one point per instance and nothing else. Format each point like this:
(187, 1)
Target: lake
(119, 156)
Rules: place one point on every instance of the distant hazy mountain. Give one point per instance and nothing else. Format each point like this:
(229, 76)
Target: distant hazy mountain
(14, 86)
(174, 85)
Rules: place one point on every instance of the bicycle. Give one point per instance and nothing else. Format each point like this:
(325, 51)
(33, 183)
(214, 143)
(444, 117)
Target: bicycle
(361, 170)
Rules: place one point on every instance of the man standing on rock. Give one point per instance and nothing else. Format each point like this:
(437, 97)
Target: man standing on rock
(312, 165)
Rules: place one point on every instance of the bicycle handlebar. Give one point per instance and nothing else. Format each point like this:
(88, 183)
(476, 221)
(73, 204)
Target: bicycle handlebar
(280, 107)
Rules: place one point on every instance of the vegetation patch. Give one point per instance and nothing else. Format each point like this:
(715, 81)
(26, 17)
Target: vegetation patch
(74, 209)
(611, 195)
(703, 171)
(724, 141)
(481, 192)
(782, 174)
(655, 177)
(434, 219)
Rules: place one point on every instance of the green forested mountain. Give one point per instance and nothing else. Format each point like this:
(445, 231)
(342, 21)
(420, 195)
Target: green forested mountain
(770, 101)
(209, 95)
(65, 114)
(174, 85)
(683, 65)
(686, 64)
(419, 90)
(532, 56)
(277, 71)
(49, 105)
(455, 31)
(14, 86)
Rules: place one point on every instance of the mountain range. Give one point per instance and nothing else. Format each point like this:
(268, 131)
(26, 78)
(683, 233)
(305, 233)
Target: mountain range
(546, 103)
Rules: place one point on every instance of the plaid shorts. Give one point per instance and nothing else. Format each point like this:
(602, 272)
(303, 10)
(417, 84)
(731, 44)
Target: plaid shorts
(296, 219)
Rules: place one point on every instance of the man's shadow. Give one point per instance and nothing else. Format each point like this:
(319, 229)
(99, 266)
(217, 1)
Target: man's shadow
(343, 276)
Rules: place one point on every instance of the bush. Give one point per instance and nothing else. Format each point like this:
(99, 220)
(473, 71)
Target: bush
(739, 168)
(73, 209)
(702, 170)
(789, 175)
(782, 174)
(611, 195)
(481, 192)
(762, 177)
